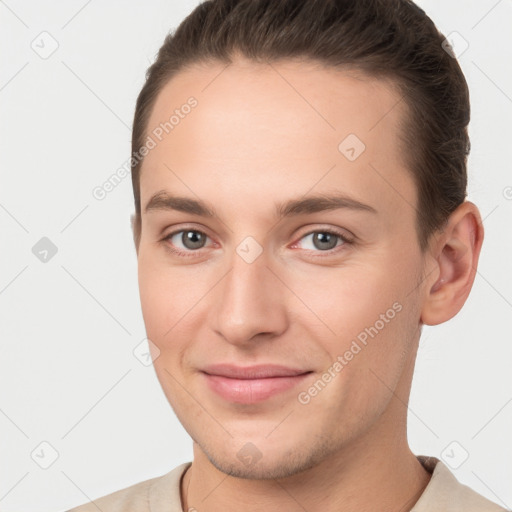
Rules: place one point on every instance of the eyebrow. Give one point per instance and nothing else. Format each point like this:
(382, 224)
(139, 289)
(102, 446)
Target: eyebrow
(163, 201)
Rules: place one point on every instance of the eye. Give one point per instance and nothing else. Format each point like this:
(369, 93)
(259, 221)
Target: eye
(324, 240)
(186, 240)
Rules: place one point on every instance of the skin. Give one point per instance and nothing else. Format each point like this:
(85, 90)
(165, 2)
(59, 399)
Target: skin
(262, 134)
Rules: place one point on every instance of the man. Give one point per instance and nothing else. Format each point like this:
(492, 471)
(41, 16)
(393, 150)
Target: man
(299, 174)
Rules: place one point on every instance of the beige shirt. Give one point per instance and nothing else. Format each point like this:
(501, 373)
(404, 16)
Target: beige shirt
(162, 494)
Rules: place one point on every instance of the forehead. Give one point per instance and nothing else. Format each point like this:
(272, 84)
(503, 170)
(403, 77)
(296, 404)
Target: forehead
(274, 130)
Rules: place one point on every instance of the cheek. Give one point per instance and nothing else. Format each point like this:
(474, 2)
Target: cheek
(349, 300)
(370, 312)
(152, 297)
(363, 367)
(162, 307)
(166, 293)
(172, 309)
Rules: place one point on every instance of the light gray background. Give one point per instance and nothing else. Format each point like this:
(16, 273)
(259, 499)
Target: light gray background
(68, 375)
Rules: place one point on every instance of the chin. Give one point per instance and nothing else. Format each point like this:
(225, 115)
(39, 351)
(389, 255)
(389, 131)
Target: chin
(263, 462)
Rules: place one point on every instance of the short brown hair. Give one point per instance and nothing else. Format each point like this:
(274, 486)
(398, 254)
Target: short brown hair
(392, 39)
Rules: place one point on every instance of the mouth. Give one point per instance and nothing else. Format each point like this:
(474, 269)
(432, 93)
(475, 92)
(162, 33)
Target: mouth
(252, 384)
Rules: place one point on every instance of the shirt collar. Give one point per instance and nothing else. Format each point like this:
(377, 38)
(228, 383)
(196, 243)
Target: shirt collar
(443, 492)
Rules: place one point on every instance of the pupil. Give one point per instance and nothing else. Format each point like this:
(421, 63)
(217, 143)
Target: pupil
(192, 239)
(323, 238)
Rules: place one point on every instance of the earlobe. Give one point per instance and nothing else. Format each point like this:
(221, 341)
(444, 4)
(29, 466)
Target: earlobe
(456, 254)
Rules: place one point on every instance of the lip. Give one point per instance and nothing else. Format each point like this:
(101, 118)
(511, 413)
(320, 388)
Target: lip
(251, 384)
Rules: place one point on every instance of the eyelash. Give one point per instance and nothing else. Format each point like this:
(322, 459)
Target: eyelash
(324, 254)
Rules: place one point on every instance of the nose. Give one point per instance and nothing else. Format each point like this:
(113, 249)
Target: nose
(250, 303)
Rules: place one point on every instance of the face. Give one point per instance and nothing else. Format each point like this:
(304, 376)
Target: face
(282, 292)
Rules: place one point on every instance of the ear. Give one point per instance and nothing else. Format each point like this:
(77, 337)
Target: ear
(455, 254)
(135, 223)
